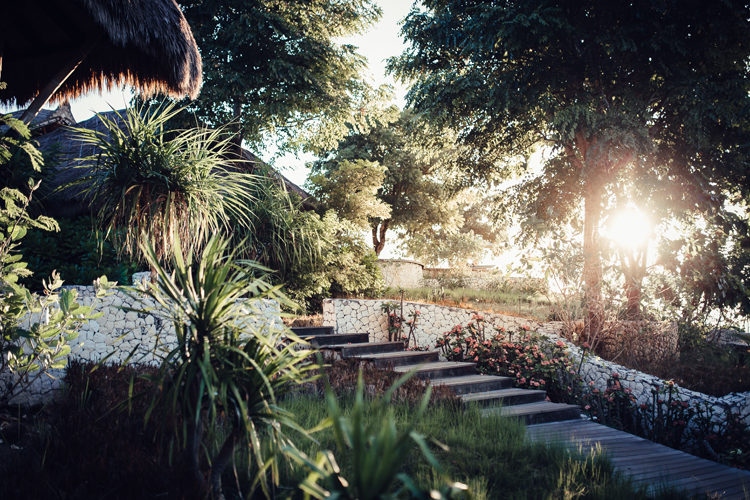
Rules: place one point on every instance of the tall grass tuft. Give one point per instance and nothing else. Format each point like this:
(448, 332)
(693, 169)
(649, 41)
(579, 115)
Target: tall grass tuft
(146, 182)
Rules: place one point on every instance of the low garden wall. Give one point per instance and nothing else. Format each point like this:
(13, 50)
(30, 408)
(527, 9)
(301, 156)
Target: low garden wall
(360, 316)
(121, 334)
(367, 316)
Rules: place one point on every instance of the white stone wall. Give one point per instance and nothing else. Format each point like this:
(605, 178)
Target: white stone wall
(121, 334)
(366, 316)
(597, 370)
(401, 273)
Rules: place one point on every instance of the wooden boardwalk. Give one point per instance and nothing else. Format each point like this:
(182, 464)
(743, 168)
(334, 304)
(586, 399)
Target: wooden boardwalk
(647, 463)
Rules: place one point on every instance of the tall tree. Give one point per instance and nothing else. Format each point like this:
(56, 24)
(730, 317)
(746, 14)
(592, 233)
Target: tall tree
(273, 66)
(657, 87)
(381, 176)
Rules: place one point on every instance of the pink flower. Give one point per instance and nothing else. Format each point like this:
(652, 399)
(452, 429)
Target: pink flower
(456, 349)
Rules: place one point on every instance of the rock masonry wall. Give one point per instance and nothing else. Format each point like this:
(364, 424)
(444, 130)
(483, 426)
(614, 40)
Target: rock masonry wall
(366, 316)
(121, 334)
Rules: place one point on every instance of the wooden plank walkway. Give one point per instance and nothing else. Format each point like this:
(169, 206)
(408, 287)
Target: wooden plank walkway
(647, 463)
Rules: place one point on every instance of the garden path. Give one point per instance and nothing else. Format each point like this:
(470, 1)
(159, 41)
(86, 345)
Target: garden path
(647, 463)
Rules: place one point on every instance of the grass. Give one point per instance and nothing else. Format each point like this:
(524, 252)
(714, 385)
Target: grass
(490, 454)
(523, 303)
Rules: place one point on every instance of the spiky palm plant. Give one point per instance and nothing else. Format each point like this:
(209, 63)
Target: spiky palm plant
(229, 364)
(146, 182)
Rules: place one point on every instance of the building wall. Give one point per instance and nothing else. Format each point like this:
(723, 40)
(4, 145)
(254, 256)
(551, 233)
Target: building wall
(401, 273)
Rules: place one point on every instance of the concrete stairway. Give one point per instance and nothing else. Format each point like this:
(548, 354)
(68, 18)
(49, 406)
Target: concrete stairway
(495, 393)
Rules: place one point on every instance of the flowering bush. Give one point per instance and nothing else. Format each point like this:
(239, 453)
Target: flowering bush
(394, 320)
(518, 355)
(666, 419)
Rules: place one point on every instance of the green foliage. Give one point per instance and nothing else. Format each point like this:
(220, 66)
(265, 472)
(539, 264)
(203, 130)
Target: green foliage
(347, 265)
(229, 366)
(277, 69)
(314, 257)
(77, 252)
(35, 329)
(623, 94)
(390, 173)
(145, 182)
(367, 437)
(351, 190)
(488, 453)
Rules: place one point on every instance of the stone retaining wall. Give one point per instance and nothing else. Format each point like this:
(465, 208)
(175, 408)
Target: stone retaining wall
(122, 334)
(365, 315)
(359, 316)
(597, 370)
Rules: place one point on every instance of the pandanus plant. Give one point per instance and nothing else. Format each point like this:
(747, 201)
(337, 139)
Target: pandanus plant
(230, 364)
(146, 182)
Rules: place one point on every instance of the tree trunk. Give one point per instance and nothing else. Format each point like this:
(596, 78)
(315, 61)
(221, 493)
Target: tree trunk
(633, 295)
(592, 261)
(634, 270)
(221, 461)
(378, 235)
(237, 119)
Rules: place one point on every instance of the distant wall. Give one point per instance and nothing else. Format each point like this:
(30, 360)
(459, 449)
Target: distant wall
(477, 278)
(122, 333)
(399, 273)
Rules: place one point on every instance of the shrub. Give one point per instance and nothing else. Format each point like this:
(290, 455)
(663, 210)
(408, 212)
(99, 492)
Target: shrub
(77, 252)
(90, 444)
(521, 355)
(227, 369)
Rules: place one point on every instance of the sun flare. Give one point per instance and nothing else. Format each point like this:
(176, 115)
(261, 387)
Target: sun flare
(629, 228)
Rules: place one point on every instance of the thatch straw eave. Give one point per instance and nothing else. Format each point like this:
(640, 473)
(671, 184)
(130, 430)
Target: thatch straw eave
(77, 46)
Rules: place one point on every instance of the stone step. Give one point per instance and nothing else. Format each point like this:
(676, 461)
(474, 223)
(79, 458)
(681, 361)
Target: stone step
(467, 384)
(507, 397)
(337, 339)
(306, 331)
(403, 358)
(348, 350)
(440, 369)
(537, 413)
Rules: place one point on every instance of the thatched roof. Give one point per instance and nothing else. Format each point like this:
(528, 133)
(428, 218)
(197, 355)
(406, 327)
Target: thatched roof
(63, 151)
(144, 43)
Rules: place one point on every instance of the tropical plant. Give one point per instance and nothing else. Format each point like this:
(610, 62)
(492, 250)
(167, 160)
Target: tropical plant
(377, 450)
(145, 182)
(313, 256)
(36, 330)
(229, 364)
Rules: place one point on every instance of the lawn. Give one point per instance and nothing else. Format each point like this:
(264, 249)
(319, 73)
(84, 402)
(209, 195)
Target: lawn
(488, 453)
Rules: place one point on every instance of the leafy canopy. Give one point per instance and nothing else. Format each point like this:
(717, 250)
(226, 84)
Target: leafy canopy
(276, 68)
(657, 91)
(386, 174)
